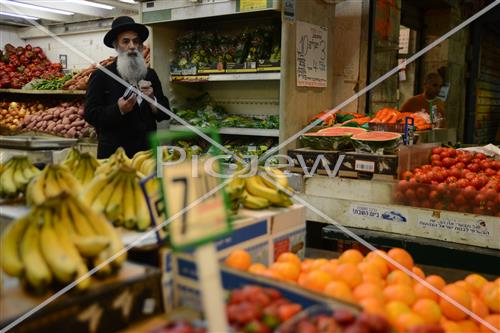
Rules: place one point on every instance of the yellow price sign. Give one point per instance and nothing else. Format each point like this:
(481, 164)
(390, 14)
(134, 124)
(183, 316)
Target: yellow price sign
(193, 197)
(249, 5)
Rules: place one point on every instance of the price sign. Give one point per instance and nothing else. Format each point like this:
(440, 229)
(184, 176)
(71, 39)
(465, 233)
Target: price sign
(195, 202)
(151, 189)
(250, 5)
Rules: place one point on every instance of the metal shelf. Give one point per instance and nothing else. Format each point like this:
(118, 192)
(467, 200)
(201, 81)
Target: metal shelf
(227, 77)
(43, 92)
(237, 131)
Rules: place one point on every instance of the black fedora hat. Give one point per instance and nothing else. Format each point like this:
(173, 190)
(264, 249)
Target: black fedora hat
(125, 23)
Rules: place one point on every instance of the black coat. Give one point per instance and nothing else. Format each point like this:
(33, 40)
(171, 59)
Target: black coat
(113, 128)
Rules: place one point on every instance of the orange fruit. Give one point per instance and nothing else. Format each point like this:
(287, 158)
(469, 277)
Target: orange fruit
(407, 320)
(340, 290)
(465, 285)
(369, 267)
(400, 292)
(398, 277)
(419, 272)
(371, 278)
(422, 292)
(289, 257)
(351, 256)
(288, 270)
(437, 281)
(395, 309)
(306, 265)
(459, 295)
(317, 280)
(451, 327)
(476, 281)
(317, 263)
(301, 280)
(490, 295)
(377, 258)
(272, 274)
(329, 268)
(478, 307)
(497, 280)
(400, 256)
(368, 290)
(468, 326)
(374, 306)
(239, 259)
(493, 320)
(428, 310)
(257, 268)
(349, 273)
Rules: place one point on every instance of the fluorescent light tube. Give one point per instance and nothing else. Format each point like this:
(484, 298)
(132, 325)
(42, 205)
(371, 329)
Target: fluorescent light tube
(129, 1)
(19, 15)
(92, 4)
(40, 8)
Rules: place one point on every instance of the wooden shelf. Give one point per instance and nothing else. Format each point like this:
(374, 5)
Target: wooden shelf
(237, 131)
(226, 77)
(43, 92)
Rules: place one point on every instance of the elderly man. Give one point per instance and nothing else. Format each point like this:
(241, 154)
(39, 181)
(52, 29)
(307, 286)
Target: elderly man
(124, 119)
(428, 101)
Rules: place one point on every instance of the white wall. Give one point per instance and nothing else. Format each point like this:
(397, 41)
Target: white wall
(8, 34)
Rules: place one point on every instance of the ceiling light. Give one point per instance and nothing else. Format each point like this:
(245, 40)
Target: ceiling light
(129, 1)
(19, 15)
(92, 4)
(43, 9)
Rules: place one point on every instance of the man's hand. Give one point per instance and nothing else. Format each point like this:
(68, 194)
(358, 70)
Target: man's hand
(146, 88)
(127, 105)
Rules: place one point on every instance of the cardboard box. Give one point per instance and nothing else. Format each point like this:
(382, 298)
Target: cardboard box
(108, 306)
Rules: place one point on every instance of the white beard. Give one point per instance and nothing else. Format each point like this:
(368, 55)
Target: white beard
(131, 68)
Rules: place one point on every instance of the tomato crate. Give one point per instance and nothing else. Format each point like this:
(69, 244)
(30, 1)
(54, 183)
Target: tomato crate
(349, 164)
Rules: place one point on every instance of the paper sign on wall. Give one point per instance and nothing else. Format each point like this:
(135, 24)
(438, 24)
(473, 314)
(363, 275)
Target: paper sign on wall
(311, 55)
(249, 5)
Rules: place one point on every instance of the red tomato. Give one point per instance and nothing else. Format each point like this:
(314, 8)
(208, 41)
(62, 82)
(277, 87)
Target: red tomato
(403, 185)
(426, 203)
(459, 200)
(463, 183)
(399, 197)
(452, 152)
(485, 164)
(444, 154)
(422, 192)
(480, 199)
(439, 205)
(491, 206)
(416, 171)
(469, 175)
(455, 172)
(478, 211)
(469, 192)
(495, 165)
(410, 195)
(442, 189)
(490, 172)
(475, 160)
(413, 182)
(474, 167)
(480, 156)
(415, 203)
(448, 162)
(491, 194)
(437, 163)
(451, 206)
(433, 195)
(477, 183)
(460, 165)
(451, 180)
(426, 167)
(437, 150)
(407, 175)
(435, 157)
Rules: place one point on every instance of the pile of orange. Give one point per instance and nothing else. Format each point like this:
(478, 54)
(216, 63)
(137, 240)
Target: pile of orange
(382, 288)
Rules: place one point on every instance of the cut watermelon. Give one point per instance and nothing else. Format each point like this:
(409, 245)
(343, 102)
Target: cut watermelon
(377, 142)
(332, 138)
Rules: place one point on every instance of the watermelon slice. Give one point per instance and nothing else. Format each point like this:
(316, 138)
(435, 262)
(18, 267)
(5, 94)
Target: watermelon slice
(332, 138)
(377, 142)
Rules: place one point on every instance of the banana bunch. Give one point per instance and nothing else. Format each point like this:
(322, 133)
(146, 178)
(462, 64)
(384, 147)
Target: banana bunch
(55, 241)
(144, 162)
(84, 168)
(119, 196)
(52, 181)
(118, 158)
(260, 191)
(234, 189)
(15, 176)
(71, 158)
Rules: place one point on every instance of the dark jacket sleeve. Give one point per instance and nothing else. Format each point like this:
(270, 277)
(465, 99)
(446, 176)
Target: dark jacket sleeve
(160, 97)
(98, 114)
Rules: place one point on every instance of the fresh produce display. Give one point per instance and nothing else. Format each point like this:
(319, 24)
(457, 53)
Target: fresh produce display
(66, 120)
(393, 116)
(259, 191)
(12, 113)
(454, 180)
(331, 138)
(144, 162)
(83, 165)
(318, 320)
(47, 84)
(201, 48)
(377, 142)
(117, 159)
(19, 65)
(53, 243)
(52, 181)
(118, 195)
(80, 80)
(15, 176)
(383, 289)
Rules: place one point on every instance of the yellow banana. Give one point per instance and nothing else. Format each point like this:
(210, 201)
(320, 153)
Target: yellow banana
(71, 158)
(141, 207)
(100, 202)
(67, 181)
(129, 214)
(254, 202)
(7, 182)
(52, 187)
(90, 246)
(72, 252)
(235, 187)
(139, 158)
(36, 270)
(35, 190)
(18, 175)
(149, 166)
(256, 187)
(94, 188)
(61, 264)
(10, 259)
(71, 212)
(106, 269)
(113, 209)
